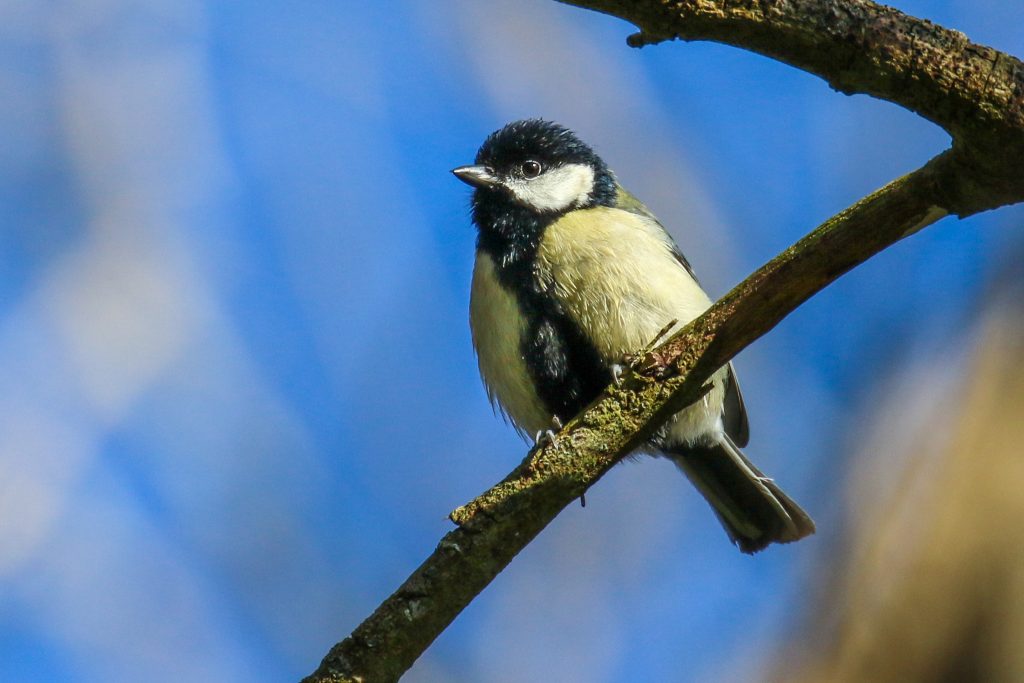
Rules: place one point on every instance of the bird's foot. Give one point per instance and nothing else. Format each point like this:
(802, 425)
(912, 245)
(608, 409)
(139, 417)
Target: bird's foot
(647, 361)
(546, 437)
(659, 337)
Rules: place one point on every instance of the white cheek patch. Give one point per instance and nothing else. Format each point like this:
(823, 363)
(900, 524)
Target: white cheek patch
(556, 190)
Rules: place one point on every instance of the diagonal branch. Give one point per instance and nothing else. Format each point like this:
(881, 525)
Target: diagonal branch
(494, 527)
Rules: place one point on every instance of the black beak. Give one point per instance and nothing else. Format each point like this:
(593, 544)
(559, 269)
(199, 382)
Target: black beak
(477, 176)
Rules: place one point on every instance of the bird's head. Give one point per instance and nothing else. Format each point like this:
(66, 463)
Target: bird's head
(539, 168)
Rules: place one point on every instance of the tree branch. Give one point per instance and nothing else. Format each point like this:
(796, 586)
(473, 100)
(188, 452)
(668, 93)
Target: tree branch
(858, 47)
(976, 93)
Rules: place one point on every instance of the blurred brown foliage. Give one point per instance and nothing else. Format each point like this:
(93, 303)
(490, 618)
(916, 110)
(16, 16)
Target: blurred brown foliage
(929, 585)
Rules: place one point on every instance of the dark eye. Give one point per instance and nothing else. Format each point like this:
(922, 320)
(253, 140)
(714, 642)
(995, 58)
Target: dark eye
(531, 169)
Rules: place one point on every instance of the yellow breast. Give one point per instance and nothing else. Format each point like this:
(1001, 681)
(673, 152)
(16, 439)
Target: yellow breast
(616, 275)
(498, 328)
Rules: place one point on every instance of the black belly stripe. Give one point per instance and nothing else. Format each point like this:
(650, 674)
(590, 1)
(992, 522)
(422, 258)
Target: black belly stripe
(565, 367)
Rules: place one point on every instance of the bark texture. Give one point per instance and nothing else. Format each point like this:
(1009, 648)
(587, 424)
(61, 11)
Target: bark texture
(976, 93)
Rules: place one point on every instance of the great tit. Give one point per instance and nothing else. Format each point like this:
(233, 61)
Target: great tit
(572, 275)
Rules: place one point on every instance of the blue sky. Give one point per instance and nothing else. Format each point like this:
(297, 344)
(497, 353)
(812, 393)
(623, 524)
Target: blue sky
(239, 396)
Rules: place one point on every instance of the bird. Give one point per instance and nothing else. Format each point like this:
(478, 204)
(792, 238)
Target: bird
(573, 275)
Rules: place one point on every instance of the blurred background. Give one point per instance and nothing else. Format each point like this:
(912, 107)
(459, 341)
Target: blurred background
(238, 396)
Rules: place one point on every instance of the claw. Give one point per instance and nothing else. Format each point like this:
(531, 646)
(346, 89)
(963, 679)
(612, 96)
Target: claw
(547, 436)
(617, 371)
(544, 437)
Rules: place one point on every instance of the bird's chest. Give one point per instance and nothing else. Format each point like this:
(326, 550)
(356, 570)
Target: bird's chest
(499, 327)
(534, 360)
(616, 277)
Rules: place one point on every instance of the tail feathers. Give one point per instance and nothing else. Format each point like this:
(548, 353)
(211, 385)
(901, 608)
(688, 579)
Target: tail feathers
(753, 509)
